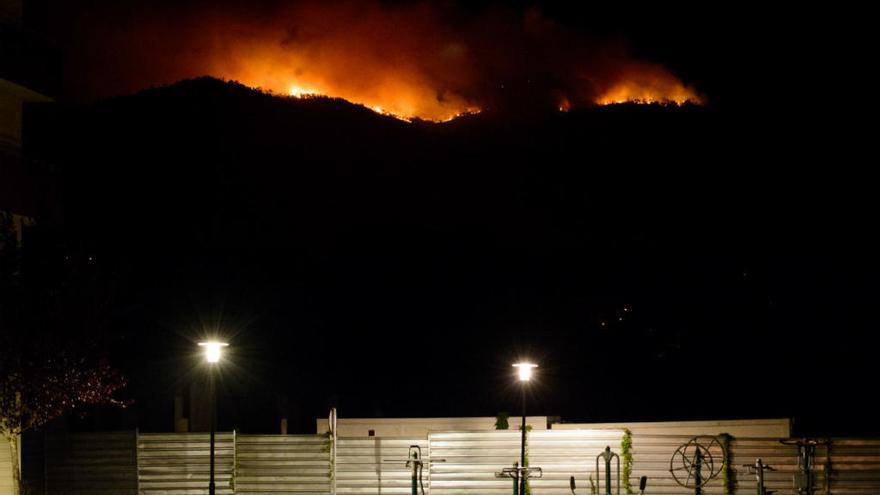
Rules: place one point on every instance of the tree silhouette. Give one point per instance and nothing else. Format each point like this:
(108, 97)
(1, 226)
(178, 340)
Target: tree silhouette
(43, 373)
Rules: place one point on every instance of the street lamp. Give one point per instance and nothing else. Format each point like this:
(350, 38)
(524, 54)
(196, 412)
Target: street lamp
(524, 370)
(212, 356)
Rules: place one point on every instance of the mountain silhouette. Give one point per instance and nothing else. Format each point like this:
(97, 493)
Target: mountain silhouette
(323, 228)
(266, 167)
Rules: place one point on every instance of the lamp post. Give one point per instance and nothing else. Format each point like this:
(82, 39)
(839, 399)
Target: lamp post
(212, 356)
(525, 374)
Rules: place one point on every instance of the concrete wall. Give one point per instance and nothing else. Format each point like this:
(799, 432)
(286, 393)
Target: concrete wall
(420, 427)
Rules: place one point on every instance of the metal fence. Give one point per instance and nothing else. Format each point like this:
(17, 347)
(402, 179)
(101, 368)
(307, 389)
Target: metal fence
(180, 463)
(850, 466)
(462, 463)
(5, 468)
(474, 458)
(95, 463)
(375, 465)
(298, 464)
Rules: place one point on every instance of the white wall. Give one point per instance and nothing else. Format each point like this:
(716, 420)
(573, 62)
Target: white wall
(12, 97)
(10, 117)
(771, 428)
(420, 427)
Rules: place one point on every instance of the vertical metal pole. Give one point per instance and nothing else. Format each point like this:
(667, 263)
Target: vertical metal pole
(45, 463)
(522, 457)
(516, 479)
(809, 452)
(608, 471)
(415, 472)
(334, 447)
(415, 480)
(698, 476)
(213, 400)
(759, 468)
(137, 458)
(828, 468)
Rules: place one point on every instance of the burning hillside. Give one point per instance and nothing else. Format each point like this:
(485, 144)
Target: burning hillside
(421, 60)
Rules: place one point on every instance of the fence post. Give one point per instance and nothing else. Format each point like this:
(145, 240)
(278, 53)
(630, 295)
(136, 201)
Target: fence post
(828, 468)
(331, 423)
(137, 460)
(45, 463)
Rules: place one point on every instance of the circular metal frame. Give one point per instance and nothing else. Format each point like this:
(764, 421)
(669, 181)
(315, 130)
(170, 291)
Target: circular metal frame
(685, 455)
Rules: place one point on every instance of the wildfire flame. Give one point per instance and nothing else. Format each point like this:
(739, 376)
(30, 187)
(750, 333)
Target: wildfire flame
(300, 92)
(648, 83)
(407, 61)
(635, 92)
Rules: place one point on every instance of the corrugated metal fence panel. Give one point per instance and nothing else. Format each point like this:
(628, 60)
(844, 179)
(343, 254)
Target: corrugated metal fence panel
(298, 464)
(782, 458)
(854, 465)
(33, 461)
(90, 463)
(5, 468)
(179, 463)
(651, 458)
(373, 465)
(472, 459)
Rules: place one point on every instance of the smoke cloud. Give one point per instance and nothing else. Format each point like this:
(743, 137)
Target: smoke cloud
(432, 61)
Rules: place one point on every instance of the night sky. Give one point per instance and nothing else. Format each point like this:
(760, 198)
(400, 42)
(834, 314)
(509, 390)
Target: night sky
(658, 263)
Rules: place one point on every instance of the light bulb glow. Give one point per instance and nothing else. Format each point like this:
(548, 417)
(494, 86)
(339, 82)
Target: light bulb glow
(525, 370)
(212, 350)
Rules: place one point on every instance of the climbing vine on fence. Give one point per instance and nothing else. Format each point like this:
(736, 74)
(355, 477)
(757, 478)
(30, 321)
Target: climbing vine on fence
(328, 449)
(626, 455)
(235, 463)
(725, 469)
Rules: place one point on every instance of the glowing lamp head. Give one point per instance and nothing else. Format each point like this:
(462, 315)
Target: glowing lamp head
(212, 350)
(525, 370)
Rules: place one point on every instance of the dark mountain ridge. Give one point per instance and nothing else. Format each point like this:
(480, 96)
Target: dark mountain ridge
(315, 228)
